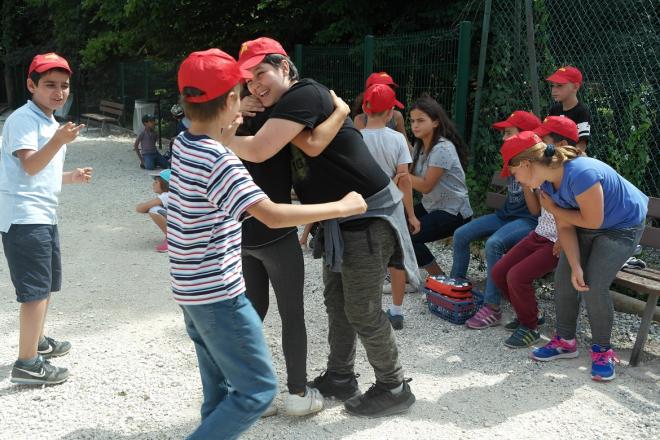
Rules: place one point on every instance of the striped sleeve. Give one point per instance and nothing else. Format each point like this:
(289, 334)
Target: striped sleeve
(231, 188)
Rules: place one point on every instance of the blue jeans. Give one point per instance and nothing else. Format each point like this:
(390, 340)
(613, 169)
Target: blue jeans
(151, 160)
(235, 366)
(504, 234)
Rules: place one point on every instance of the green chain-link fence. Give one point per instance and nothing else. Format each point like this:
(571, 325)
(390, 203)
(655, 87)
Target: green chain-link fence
(434, 62)
(616, 45)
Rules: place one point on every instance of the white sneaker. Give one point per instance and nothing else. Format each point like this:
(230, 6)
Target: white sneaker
(311, 402)
(387, 288)
(271, 411)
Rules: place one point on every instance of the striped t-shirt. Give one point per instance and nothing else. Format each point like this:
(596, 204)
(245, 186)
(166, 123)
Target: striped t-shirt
(210, 192)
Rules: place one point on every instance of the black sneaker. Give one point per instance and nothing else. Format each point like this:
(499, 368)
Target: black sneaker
(340, 387)
(522, 337)
(379, 401)
(513, 325)
(41, 373)
(51, 348)
(395, 320)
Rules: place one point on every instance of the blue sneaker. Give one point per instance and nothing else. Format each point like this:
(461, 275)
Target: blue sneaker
(557, 348)
(602, 363)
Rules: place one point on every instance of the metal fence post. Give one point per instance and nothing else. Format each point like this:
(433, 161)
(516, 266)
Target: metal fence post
(146, 79)
(462, 76)
(298, 58)
(483, 50)
(122, 88)
(531, 53)
(368, 56)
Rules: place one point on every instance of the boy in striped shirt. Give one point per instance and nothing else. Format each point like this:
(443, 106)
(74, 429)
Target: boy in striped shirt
(210, 194)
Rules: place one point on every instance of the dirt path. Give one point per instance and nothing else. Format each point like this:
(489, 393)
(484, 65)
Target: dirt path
(134, 373)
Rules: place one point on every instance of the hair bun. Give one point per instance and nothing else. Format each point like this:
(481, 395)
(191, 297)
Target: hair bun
(549, 150)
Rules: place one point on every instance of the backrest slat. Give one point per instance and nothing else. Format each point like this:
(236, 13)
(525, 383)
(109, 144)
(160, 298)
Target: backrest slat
(494, 200)
(498, 180)
(654, 208)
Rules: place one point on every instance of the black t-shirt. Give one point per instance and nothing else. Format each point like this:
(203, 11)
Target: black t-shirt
(345, 165)
(273, 176)
(578, 114)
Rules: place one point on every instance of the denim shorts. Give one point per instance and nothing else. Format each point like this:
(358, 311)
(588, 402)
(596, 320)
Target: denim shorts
(33, 257)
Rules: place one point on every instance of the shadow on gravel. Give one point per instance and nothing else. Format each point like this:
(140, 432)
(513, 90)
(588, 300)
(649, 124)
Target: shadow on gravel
(5, 370)
(103, 434)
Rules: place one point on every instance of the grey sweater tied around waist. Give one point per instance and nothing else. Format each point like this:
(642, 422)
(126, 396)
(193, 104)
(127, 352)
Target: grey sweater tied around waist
(385, 204)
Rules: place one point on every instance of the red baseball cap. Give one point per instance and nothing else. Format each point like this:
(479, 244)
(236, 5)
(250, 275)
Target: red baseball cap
(51, 60)
(253, 52)
(380, 78)
(516, 145)
(212, 71)
(522, 120)
(379, 98)
(566, 74)
(560, 125)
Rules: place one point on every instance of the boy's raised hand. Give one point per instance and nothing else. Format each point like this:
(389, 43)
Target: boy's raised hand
(339, 103)
(82, 175)
(353, 203)
(229, 132)
(67, 132)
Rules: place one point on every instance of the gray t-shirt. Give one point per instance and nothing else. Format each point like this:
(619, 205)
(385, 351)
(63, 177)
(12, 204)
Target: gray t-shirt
(147, 140)
(388, 147)
(450, 193)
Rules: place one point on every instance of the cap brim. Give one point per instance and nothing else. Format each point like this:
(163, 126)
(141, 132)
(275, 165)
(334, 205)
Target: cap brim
(246, 74)
(502, 125)
(541, 131)
(557, 78)
(249, 63)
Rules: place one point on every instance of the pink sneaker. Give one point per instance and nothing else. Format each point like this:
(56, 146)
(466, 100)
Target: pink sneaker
(162, 247)
(485, 317)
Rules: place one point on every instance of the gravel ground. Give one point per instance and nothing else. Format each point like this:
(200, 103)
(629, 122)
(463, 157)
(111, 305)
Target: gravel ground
(134, 374)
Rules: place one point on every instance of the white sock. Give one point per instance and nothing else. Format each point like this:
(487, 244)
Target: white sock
(396, 310)
(397, 390)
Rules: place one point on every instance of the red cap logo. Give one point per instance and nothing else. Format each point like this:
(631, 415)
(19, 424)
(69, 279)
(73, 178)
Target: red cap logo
(379, 98)
(519, 119)
(213, 72)
(516, 145)
(47, 61)
(253, 52)
(560, 125)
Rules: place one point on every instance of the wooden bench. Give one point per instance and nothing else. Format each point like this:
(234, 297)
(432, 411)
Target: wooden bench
(109, 112)
(644, 280)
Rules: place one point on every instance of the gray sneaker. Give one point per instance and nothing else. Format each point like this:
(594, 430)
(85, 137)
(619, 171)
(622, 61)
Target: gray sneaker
(49, 348)
(41, 373)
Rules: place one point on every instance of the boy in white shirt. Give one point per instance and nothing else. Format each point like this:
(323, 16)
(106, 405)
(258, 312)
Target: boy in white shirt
(390, 150)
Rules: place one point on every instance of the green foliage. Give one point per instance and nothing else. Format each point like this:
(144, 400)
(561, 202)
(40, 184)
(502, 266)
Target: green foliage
(628, 153)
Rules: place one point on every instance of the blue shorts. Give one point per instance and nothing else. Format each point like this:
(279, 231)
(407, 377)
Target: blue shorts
(33, 257)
